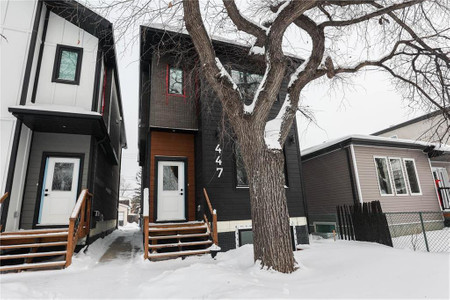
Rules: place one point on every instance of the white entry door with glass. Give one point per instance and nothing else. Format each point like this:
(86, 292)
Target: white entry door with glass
(59, 190)
(171, 191)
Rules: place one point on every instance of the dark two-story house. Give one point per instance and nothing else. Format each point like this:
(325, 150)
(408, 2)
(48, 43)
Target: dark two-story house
(61, 100)
(194, 181)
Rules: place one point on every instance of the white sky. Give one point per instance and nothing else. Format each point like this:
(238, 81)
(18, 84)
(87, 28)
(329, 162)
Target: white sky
(369, 105)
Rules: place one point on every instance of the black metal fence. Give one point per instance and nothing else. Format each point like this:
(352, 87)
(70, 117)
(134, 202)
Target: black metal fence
(444, 197)
(419, 231)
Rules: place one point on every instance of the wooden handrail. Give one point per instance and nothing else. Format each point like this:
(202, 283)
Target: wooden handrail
(81, 213)
(214, 233)
(4, 197)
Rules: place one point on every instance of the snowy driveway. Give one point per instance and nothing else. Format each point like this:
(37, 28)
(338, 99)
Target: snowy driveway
(327, 270)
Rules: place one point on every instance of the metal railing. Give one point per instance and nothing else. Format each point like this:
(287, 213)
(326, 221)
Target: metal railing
(444, 197)
(419, 231)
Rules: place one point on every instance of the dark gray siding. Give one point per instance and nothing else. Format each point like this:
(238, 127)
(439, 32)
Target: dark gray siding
(327, 182)
(230, 202)
(49, 142)
(169, 111)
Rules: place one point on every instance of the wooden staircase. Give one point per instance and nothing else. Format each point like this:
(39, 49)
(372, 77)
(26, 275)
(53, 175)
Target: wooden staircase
(172, 240)
(33, 249)
(168, 240)
(45, 249)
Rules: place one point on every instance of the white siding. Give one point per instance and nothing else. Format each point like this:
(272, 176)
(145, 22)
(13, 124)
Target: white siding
(63, 32)
(17, 19)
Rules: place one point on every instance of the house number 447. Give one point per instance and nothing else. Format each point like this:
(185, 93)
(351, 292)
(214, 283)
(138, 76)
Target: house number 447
(219, 167)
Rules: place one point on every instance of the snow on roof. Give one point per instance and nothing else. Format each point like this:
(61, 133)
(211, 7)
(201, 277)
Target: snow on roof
(217, 38)
(440, 147)
(56, 108)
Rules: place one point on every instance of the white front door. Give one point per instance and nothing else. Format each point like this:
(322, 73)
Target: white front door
(171, 191)
(59, 190)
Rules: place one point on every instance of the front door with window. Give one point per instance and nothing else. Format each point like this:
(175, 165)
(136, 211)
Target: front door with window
(59, 190)
(171, 191)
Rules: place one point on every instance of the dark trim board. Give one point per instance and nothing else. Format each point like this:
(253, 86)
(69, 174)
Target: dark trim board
(37, 206)
(41, 52)
(155, 197)
(98, 68)
(57, 64)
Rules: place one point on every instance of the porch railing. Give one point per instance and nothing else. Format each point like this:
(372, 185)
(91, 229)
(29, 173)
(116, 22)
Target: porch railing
(79, 223)
(2, 199)
(212, 226)
(145, 220)
(444, 195)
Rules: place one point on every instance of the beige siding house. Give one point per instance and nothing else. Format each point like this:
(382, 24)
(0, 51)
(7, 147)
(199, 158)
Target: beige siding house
(358, 168)
(432, 127)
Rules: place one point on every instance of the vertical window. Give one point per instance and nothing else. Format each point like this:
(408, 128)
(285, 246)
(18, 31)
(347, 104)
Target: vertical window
(175, 84)
(384, 179)
(398, 175)
(247, 82)
(241, 173)
(411, 173)
(67, 66)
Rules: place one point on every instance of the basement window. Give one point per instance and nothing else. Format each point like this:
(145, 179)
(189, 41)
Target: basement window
(244, 236)
(67, 66)
(175, 81)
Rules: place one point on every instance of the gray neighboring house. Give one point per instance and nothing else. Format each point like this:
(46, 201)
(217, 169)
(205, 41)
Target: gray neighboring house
(359, 168)
(432, 127)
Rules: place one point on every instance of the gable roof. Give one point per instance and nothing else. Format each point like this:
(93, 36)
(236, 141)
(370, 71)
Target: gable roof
(96, 25)
(369, 140)
(412, 121)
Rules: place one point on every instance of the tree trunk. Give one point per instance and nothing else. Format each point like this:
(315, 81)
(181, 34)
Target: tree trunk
(270, 218)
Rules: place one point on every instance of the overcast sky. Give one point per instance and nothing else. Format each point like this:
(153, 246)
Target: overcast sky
(370, 104)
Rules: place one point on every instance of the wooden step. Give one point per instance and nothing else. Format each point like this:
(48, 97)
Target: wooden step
(178, 236)
(178, 253)
(18, 246)
(34, 231)
(33, 236)
(184, 228)
(53, 264)
(180, 244)
(171, 225)
(28, 255)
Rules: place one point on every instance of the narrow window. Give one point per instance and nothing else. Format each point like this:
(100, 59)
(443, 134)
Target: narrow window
(67, 66)
(384, 179)
(241, 173)
(175, 84)
(398, 175)
(413, 180)
(245, 236)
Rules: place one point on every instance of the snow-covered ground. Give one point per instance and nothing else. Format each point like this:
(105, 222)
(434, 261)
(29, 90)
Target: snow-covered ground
(327, 269)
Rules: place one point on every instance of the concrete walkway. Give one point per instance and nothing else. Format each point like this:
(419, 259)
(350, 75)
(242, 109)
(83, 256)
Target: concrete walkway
(125, 246)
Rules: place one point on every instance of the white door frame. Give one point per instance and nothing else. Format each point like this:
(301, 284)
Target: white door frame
(43, 192)
(181, 191)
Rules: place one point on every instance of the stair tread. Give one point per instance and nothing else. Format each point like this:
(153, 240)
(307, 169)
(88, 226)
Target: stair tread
(37, 254)
(34, 231)
(179, 244)
(178, 253)
(178, 236)
(33, 266)
(177, 228)
(33, 236)
(51, 244)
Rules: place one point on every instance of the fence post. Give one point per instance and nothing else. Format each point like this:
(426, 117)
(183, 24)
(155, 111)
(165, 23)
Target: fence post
(424, 233)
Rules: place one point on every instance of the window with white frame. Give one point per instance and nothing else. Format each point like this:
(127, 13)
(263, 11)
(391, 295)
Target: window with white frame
(398, 176)
(413, 178)
(384, 178)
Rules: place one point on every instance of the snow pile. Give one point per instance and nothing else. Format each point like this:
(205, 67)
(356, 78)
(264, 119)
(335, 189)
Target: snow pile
(327, 269)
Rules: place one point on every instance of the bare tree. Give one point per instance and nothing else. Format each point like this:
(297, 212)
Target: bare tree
(408, 39)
